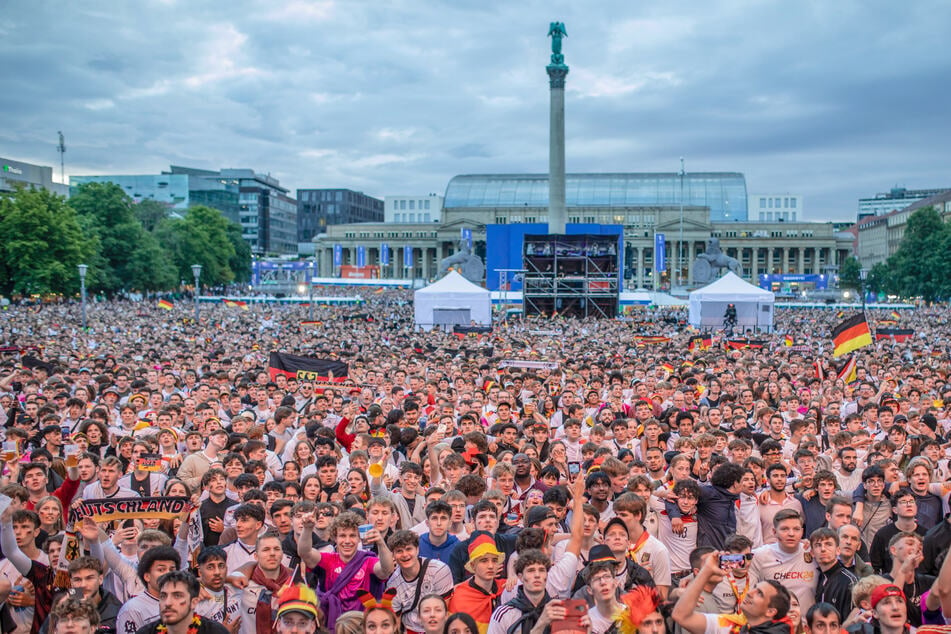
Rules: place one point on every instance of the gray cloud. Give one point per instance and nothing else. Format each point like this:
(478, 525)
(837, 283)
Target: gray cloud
(831, 100)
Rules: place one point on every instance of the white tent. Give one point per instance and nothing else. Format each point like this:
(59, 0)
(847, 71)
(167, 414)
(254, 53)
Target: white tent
(754, 306)
(452, 301)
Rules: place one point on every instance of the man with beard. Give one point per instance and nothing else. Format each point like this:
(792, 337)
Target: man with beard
(523, 476)
(178, 598)
(848, 476)
(219, 602)
(762, 611)
(775, 499)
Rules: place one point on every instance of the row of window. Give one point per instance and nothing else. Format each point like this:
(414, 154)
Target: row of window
(403, 205)
(412, 217)
(391, 234)
(777, 202)
(629, 220)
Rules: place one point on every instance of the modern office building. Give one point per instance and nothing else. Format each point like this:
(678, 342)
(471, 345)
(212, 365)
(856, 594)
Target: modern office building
(895, 199)
(410, 209)
(319, 208)
(715, 205)
(267, 215)
(775, 207)
(15, 174)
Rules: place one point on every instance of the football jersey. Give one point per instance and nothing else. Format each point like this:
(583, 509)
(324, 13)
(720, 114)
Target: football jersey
(797, 571)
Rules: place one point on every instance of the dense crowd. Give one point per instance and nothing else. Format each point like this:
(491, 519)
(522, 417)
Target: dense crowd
(553, 475)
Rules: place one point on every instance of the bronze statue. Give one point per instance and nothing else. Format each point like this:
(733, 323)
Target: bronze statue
(557, 32)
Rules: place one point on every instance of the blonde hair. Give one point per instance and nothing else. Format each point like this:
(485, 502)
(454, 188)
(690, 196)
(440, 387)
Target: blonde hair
(349, 623)
(862, 590)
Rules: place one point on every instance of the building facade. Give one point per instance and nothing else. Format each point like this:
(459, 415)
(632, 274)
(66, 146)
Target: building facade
(473, 201)
(413, 209)
(14, 174)
(775, 207)
(318, 209)
(894, 200)
(878, 237)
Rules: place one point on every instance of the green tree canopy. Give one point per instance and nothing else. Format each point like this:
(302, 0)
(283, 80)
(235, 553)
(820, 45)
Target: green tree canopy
(849, 276)
(41, 244)
(920, 266)
(204, 236)
(131, 259)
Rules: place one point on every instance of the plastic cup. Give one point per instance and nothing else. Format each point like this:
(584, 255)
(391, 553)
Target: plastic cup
(364, 529)
(375, 470)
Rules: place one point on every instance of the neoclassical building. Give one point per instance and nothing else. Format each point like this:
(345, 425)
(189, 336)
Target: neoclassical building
(688, 209)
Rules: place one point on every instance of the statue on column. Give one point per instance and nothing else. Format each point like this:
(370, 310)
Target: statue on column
(557, 32)
(464, 262)
(710, 264)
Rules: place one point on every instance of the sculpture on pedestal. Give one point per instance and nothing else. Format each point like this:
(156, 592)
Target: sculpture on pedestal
(710, 264)
(464, 262)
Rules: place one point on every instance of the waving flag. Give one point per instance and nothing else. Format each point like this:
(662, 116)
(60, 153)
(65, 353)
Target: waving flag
(851, 334)
(235, 303)
(164, 303)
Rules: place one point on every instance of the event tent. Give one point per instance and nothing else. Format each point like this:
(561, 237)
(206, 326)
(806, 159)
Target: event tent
(452, 301)
(754, 306)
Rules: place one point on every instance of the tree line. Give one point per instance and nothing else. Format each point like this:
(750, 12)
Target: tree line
(128, 246)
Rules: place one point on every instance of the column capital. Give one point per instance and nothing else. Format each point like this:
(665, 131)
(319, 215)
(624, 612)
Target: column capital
(556, 75)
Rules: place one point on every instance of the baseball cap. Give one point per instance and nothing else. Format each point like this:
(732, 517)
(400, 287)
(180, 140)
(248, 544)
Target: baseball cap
(883, 591)
(538, 514)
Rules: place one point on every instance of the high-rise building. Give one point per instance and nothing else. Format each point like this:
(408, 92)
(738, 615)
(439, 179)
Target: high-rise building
(319, 208)
(267, 215)
(14, 174)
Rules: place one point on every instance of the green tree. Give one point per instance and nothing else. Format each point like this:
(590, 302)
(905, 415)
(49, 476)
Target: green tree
(150, 213)
(41, 244)
(131, 257)
(204, 236)
(849, 276)
(878, 278)
(919, 268)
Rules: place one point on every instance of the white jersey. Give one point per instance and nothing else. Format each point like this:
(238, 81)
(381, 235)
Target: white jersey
(797, 571)
(437, 580)
(94, 492)
(222, 605)
(655, 558)
(136, 612)
(239, 554)
(681, 544)
(748, 520)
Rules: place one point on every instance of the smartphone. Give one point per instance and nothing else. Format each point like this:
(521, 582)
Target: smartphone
(732, 561)
(574, 468)
(442, 429)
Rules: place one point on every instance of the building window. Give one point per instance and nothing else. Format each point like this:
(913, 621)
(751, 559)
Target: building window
(785, 203)
(403, 204)
(770, 203)
(426, 217)
(762, 203)
(529, 219)
(412, 217)
(590, 220)
(500, 220)
(792, 203)
(426, 203)
(574, 219)
(412, 204)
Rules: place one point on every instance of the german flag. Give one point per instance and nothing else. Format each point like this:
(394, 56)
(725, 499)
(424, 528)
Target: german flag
(847, 371)
(698, 344)
(900, 335)
(235, 303)
(643, 340)
(311, 324)
(669, 368)
(788, 341)
(744, 344)
(165, 304)
(895, 315)
(851, 334)
(378, 291)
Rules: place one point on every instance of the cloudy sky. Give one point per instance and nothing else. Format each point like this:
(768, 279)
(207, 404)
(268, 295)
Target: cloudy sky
(831, 100)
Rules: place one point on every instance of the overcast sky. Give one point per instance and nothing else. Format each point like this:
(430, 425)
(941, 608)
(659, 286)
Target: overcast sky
(834, 100)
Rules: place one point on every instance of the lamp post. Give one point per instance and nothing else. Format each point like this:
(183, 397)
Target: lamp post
(83, 268)
(863, 275)
(310, 286)
(196, 271)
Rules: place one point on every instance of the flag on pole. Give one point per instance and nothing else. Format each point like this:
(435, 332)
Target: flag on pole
(851, 334)
(164, 303)
(235, 303)
(818, 369)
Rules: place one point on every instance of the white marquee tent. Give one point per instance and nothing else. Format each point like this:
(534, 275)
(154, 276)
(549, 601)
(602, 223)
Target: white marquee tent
(452, 301)
(754, 306)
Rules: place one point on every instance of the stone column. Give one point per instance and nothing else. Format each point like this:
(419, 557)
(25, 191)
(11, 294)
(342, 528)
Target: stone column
(557, 215)
(785, 261)
(639, 271)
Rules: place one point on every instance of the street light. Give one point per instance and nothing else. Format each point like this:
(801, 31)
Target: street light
(196, 271)
(83, 268)
(310, 286)
(863, 275)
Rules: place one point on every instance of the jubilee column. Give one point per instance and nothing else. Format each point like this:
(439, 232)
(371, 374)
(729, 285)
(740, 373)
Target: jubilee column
(557, 71)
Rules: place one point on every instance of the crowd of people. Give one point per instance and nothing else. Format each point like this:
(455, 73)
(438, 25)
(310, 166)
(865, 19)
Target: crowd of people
(553, 474)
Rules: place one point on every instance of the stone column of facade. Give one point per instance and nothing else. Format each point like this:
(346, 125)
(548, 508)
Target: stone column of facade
(691, 256)
(424, 254)
(639, 271)
(785, 268)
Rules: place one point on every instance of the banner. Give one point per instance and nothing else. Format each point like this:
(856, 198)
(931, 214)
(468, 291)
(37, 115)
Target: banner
(109, 509)
(361, 256)
(407, 257)
(466, 234)
(471, 330)
(534, 365)
(338, 255)
(899, 334)
(292, 365)
(643, 340)
(384, 254)
(196, 536)
(741, 344)
(149, 462)
(660, 253)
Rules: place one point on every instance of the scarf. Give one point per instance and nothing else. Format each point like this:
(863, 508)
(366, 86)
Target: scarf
(738, 625)
(530, 612)
(270, 588)
(332, 603)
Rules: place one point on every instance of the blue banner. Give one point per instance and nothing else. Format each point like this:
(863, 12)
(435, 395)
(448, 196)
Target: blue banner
(467, 236)
(408, 257)
(384, 254)
(338, 255)
(361, 256)
(660, 253)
